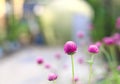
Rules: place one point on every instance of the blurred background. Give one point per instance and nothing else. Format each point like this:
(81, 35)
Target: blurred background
(32, 28)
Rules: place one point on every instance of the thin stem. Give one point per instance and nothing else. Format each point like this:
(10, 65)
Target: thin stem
(107, 56)
(54, 82)
(90, 75)
(113, 55)
(92, 58)
(91, 63)
(111, 60)
(72, 61)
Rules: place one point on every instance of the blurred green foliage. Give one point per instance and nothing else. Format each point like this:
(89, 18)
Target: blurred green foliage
(15, 28)
(104, 20)
(2, 36)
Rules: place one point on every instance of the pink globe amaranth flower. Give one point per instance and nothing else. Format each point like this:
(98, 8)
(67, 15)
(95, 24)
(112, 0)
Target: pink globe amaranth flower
(81, 60)
(70, 47)
(76, 78)
(116, 37)
(47, 66)
(58, 56)
(39, 60)
(118, 68)
(52, 77)
(80, 34)
(98, 44)
(118, 23)
(109, 41)
(93, 49)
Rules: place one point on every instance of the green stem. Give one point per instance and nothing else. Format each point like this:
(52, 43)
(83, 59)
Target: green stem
(111, 60)
(54, 82)
(91, 63)
(113, 55)
(72, 61)
(90, 75)
(107, 56)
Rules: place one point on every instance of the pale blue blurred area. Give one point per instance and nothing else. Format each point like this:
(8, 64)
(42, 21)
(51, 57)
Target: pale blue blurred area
(81, 23)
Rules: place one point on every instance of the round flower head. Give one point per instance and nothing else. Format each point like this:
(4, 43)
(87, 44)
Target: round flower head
(108, 41)
(93, 49)
(118, 23)
(76, 79)
(52, 77)
(70, 47)
(98, 44)
(80, 34)
(39, 60)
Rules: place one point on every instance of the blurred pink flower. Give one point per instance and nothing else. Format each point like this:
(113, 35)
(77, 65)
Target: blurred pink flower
(39, 60)
(116, 37)
(58, 56)
(80, 34)
(47, 66)
(52, 77)
(108, 40)
(98, 44)
(70, 47)
(81, 60)
(76, 78)
(93, 49)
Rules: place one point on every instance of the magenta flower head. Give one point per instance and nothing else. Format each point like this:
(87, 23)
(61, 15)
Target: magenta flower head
(80, 34)
(108, 41)
(118, 23)
(93, 49)
(52, 77)
(76, 78)
(70, 47)
(98, 44)
(39, 60)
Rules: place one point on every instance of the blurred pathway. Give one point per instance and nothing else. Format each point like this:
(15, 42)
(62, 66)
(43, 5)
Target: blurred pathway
(21, 67)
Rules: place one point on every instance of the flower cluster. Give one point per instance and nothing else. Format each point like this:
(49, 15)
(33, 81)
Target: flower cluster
(106, 47)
